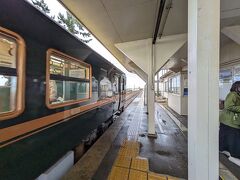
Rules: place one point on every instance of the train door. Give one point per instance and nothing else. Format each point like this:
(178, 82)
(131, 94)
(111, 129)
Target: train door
(115, 85)
(122, 93)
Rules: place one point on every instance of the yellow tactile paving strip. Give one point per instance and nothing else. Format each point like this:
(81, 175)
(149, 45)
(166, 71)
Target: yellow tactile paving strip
(137, 175)
(155, 176)
(140, 163)
(172, 178)
(123, 161)
(118, 173)
(128, 152)
(131, 144)
(128, 164)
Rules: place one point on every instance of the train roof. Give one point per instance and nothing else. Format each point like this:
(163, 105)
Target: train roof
(28, 21)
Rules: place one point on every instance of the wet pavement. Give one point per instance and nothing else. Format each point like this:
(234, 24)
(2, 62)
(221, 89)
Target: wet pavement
(229, 166)
(167, 153)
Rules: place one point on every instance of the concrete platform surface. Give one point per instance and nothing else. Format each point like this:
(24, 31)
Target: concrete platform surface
(167, 154)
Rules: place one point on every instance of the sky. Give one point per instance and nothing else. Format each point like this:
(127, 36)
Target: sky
(133, 80)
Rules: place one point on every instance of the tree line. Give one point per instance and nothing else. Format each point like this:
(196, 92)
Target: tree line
(69, 22)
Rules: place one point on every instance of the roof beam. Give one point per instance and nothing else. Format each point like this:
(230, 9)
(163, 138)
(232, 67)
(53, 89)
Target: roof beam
(165, 48)
(159, 18)
(233, 32)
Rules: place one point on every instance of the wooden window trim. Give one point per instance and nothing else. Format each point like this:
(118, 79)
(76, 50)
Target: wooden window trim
(20, 67)
(65, 56)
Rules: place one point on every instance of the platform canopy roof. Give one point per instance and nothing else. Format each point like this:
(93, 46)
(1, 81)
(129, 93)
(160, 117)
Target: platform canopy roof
(119, 21)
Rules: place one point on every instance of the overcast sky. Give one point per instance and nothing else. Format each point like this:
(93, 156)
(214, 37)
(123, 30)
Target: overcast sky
(132, 79)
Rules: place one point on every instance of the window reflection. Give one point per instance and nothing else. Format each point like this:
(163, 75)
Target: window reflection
(62, 91)
(8, 82)
(8, 52)
(8, 88)
(175, 84)
(61, 66)
(69, 79)
(105, 88)
(94, 85)
(115, 85)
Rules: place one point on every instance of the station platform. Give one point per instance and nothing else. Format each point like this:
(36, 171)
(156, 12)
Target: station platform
(125, 151)
(227, 169)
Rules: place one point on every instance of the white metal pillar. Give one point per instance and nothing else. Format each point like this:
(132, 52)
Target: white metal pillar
(158, 84)
(203, 72)
(150, 93)
(151, 109)
(150, 58)
(145, 95)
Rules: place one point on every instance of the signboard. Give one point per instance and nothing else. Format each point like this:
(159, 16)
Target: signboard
(77, 73)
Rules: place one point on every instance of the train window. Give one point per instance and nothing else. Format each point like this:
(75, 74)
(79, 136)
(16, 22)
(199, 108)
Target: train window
(12, 59)
(105, 88)
(115, 85)
(68, 80)
(123, 83)
(94, 89)
(94, 85)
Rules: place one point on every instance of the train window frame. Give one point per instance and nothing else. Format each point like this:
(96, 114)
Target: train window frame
(20, 75)
(67, 57)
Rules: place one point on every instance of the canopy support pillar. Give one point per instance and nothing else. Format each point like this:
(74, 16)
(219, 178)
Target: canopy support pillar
(203, 74)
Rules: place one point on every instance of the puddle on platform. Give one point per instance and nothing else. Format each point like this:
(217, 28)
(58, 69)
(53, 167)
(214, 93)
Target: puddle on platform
(163, 153)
